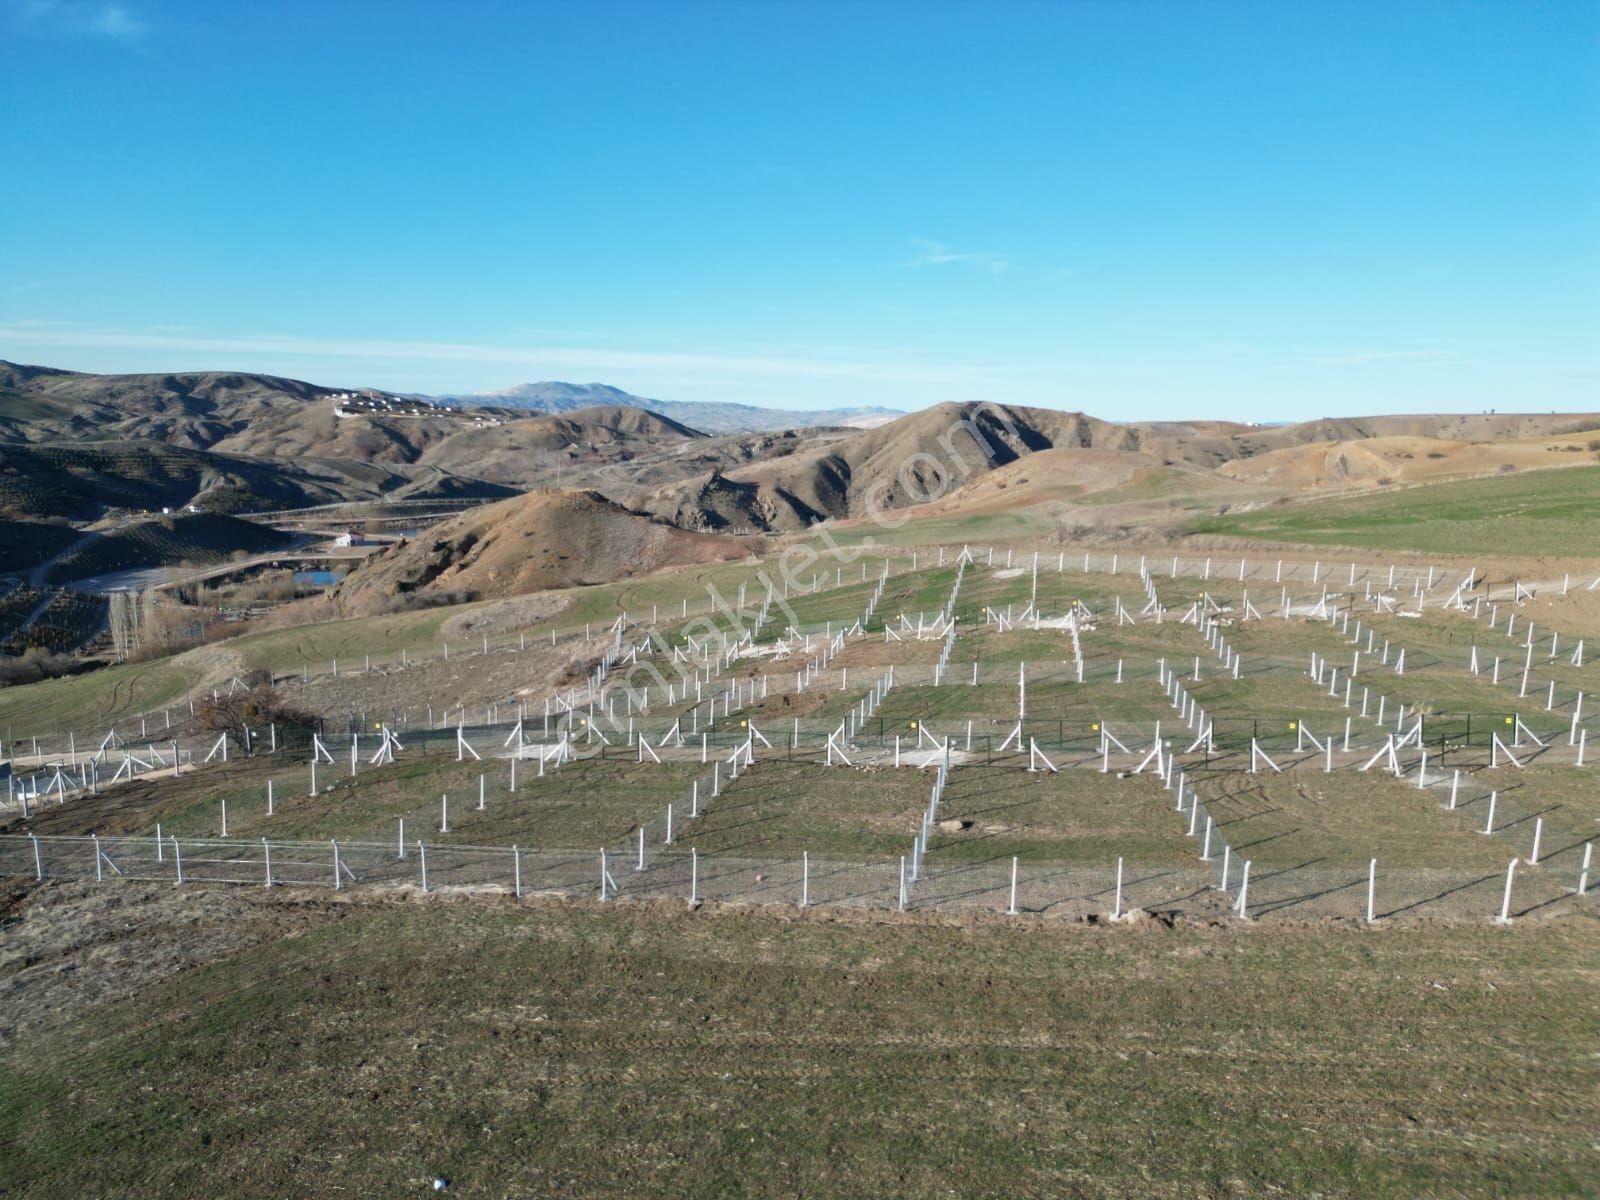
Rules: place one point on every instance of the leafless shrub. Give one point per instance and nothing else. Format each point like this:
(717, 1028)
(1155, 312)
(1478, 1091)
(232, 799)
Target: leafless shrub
(36, 663)
(256, 706)
(402, 602)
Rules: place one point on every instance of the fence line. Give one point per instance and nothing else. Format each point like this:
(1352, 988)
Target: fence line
(1061, 890)
(1176, 566)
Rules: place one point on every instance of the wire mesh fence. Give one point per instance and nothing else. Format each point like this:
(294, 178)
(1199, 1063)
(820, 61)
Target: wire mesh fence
(904, 562)
(1058, 890)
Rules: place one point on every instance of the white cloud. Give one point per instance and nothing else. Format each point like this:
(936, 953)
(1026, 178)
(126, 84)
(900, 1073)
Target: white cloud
(937, 254)
(115, 21)
(542, 359)
(1356, 358)
(77, 18)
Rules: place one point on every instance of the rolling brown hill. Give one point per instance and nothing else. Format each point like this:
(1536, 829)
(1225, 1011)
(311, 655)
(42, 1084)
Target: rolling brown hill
(73, 444)
(624, 452)
(530, 452)
(623, 449)
(83, 480)
(1378, 461)
(941, 454)
(922, 457)
(229, 412)
(528, 544)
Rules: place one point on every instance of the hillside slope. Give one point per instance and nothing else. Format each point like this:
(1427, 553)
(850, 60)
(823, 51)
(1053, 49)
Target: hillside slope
(83, 480)
(538, 451)
(621, 447)
(230, 412)
(1374, 461)
(942, 454)
(922, 457)
(188, 538)
(624, 452)
(527, 544)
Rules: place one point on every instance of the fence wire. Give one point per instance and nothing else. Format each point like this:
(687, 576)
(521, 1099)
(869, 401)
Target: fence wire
(1069, 891)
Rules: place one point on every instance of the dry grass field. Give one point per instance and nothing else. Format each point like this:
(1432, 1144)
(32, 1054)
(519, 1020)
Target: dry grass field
(237, 1044)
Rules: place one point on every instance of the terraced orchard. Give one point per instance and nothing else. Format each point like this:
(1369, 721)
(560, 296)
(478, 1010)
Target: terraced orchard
(1090, 738)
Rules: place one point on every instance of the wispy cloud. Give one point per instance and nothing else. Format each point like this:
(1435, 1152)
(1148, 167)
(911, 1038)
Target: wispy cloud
(1356, 358)
(77, 18)
(937, 254)
(541, 359)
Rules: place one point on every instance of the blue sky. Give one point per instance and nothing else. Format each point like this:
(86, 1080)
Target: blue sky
(1251, 211)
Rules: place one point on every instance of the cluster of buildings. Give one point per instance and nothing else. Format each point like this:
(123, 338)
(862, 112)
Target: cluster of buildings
(374, 404)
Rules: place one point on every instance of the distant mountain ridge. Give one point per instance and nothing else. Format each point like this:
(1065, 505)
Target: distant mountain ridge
(554, 396)
(80, 445)
(81, 442)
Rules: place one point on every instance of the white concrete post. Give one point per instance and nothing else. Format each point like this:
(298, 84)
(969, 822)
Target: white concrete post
(1505, 903)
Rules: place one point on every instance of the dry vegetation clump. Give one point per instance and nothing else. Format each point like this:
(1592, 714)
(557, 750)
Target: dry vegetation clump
(256, 707)
(404, 602)
(169, 628)
(36, 663)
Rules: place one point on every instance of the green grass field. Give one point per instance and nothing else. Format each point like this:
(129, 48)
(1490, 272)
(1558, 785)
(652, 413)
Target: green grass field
(89, 700)
(1074, 816)
(1535, 512)
(588, 803)
(778, 810)
(359, 1048)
